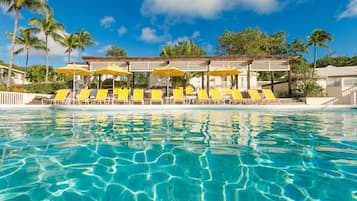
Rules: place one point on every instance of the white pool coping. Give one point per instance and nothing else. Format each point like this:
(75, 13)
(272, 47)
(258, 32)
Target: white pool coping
(181, 107)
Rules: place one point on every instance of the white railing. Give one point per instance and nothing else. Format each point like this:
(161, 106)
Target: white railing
(348, 91)
(330, 102)
(11, 98)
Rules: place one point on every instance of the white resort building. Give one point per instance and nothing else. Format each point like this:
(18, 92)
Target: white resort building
(18, 76)
(340, 82)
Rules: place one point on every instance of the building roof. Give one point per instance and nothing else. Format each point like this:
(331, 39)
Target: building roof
(333, 71)
(13, 69)
(198, 64)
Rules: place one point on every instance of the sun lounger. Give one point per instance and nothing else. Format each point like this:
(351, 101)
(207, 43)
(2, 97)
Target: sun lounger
(178, 96)
(59, 98)
(156, 96)
(202, 96)
(138, 96)
(189, 91)
(101, 96)
(269, 96)
(122, 96)
(216, 96)
(83, 96)
(237, 97)
(254, 96)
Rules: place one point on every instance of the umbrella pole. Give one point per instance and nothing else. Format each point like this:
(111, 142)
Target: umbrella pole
(74, 89)
(167, 87)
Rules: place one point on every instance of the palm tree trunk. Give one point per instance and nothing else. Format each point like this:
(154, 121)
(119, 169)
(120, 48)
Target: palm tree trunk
(69, 57)
(12, 49)
(46, 38)
(27, 57)
(315, 55)
(79, 54)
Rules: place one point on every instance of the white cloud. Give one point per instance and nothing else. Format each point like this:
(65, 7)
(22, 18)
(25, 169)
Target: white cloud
(104, 49)
(122, 30)
(205, 8)
(149, 35)
(195, 34)
(3, 7)
(107, 21)
(351, 10)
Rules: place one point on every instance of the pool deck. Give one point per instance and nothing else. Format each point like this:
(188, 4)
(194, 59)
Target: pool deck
(182, 107)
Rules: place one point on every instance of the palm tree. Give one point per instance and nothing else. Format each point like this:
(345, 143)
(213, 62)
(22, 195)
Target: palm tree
(50, 27)
(84, 39)
(318, 38)
(27, 40)
(70, 42)
(16, 6)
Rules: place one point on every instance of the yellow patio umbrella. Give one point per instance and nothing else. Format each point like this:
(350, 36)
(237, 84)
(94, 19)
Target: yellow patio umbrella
(224, 71)
(74, 70)
(168, 71)
(112, 70)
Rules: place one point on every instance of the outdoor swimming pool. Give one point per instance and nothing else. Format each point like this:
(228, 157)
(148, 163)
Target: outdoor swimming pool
(49, 154)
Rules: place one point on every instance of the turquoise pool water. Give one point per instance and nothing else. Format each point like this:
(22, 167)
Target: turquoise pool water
(49, 154)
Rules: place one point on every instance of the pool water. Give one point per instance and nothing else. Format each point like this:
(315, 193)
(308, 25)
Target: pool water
(49, 154)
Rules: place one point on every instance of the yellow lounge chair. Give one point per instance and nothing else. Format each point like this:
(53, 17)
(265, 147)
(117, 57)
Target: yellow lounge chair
(60, 97)
(227, 91)
(122, 96)
(216, 96)
(83, 96)
(269, 95)
(237, 96)
(156, 96)
(202, 96)
(254, 95)
(189, 91)
(138, 96)
(116, 91)
(101, 96)
(178, 96)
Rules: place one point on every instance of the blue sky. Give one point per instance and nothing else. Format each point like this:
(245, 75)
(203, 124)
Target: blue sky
(143, 27)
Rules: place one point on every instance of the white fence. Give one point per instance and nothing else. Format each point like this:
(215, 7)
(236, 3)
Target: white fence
(11, 98)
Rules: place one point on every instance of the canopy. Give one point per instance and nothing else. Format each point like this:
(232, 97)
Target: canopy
(224, 71)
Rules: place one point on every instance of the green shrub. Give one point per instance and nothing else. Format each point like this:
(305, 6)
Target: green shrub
(41, 88)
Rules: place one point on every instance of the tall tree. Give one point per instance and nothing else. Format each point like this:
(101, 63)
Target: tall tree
(251, 42)
(318, 38)
(115, 51)
(298, 46)
(50, 27)
(84, 39)
(27, 40)
(70, 42)
(15, 6)
(183, 48)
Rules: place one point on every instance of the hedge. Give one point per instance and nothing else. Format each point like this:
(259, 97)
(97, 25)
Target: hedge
(40, 88)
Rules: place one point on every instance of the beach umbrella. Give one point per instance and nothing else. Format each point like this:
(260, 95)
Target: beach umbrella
(224, 72)
(168, 71)
(112, 70)
(74, 70)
